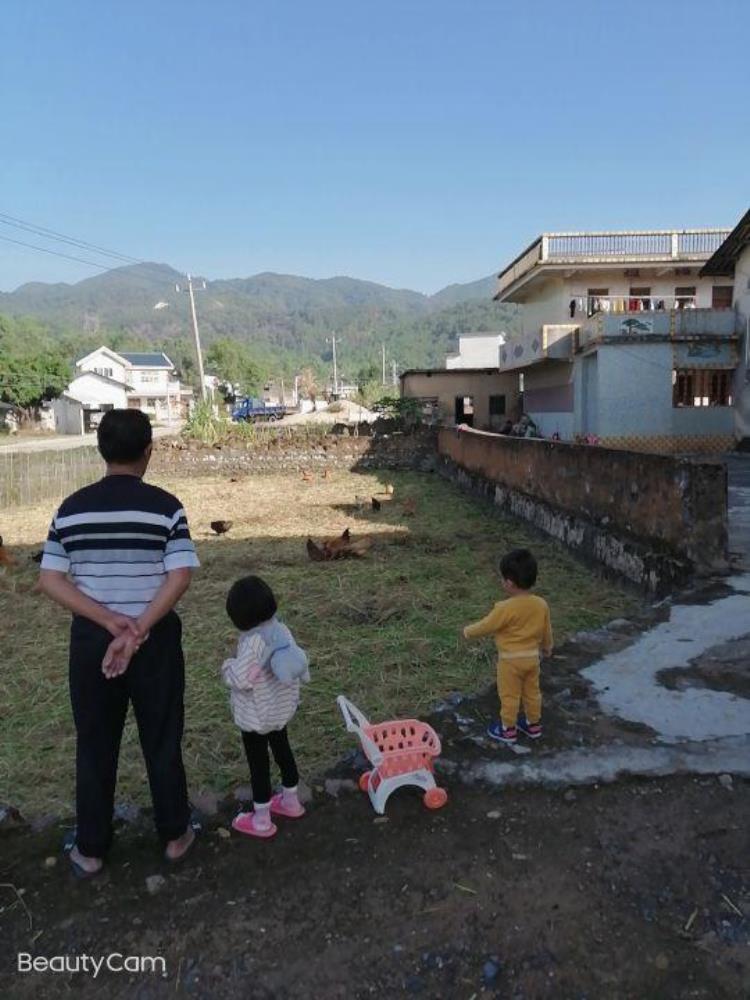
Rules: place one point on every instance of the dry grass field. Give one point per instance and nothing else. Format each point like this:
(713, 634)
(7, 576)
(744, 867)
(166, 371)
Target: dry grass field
(383, 629)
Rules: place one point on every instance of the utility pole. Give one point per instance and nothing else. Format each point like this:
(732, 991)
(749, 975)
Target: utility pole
(383, 346)
(196, 334)
(332, 341)
(394, 374)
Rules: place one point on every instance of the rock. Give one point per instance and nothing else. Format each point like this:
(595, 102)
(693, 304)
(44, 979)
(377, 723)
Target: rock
(413, 984)
(725, 780)
(304, 793)
(127, 812)
(491, 969)
(244, 793)
(155, 883)
(380, 819)
(223, 833)
(42, 821)
(618, 624)
(10, 817)
(494, 814)
(334, 786)
(661, 962)
(50, 862)
(570, 796)
(206, 802)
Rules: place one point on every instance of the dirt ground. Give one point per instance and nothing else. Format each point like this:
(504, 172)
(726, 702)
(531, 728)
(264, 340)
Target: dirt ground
(635, 890)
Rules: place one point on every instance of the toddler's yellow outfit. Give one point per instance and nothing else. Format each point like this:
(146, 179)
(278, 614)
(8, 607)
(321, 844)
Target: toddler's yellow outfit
(521, 627)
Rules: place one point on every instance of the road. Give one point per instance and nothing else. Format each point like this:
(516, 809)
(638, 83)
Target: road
(66, 442)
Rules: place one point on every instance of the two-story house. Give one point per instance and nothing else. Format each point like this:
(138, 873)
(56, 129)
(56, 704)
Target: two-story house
(624, 339)
(149, 381)
(731, 263)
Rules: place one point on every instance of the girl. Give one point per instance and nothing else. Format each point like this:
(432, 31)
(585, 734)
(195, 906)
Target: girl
(264, 678)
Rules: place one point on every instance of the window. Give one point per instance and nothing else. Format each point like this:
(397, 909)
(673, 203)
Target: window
(701, 387)
(594, 302)
(640, 298)
(148, 378)
(721, 296)
(684, 297)
(106, 372)
(497, 406)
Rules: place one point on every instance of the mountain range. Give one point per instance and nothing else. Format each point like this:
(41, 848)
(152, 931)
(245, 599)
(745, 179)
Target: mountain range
(282, 315)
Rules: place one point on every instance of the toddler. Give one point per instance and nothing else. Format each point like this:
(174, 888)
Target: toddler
(521, 627)
(264, 678)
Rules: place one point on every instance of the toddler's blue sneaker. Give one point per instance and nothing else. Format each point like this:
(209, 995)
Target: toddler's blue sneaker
(496, 731)
(531, 729)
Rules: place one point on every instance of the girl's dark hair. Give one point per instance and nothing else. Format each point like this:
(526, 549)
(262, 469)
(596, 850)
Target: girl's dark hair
(519, 566)
(123, 435)
(250, 602)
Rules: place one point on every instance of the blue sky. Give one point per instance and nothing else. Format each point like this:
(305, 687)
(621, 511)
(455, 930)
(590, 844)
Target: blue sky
(410, 142)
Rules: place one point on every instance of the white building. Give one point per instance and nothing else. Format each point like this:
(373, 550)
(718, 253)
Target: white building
(477, 350)
(624, 338)
(732, 261)
(149, 381)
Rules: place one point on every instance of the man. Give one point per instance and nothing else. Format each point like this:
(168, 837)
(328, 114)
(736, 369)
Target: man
(119, 556)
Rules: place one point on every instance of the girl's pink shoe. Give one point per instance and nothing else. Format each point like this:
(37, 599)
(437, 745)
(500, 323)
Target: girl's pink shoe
(245, 823)
(289, 806)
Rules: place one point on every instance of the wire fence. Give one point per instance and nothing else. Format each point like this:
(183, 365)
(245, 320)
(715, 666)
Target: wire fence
(28, 478)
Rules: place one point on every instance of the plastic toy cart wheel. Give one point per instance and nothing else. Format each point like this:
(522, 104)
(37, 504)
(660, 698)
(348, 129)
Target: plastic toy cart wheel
(364, 781)
(402, 752)
(435, 798)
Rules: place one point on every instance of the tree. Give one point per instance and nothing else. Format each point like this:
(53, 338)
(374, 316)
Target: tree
(308, 383)
(234, 364)
(26, 380)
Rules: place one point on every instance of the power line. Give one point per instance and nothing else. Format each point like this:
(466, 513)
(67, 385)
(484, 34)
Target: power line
(11, 220)
(56, 253)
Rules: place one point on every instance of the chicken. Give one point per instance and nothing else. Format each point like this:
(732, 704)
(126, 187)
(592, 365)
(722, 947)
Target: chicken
(334, 548)
(221, 527)
(326, 473)
(307, 476)
(338, 548)
(409, 506)
(316, 554)
(6, 559)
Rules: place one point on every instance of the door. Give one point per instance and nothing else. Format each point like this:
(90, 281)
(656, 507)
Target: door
(465, 410)
(721, 296)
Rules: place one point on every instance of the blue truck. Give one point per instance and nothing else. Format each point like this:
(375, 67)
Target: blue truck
(252, 410)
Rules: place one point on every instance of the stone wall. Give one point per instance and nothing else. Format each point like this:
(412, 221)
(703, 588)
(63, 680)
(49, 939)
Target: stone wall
(282, 452)
(653, 519)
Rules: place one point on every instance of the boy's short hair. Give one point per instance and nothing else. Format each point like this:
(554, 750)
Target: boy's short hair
(250, 602)
(123, 436)
(519, 566)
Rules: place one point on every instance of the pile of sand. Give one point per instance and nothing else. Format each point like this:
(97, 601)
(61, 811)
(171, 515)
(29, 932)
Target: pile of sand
(344, 412)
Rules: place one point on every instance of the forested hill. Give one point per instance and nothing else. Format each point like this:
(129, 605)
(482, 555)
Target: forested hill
(281, 315)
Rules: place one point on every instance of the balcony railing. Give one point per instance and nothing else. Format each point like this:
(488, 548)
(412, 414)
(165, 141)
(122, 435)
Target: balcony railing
(693, 245)
(678, 324)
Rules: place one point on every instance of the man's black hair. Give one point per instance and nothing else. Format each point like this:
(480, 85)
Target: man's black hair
(519, 566)
(123, 436)
(250, 602)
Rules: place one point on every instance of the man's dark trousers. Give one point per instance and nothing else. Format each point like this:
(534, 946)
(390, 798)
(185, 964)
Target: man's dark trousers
(154, 683)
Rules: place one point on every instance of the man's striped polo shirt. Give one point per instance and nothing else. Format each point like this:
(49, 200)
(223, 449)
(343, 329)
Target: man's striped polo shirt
(118, 539)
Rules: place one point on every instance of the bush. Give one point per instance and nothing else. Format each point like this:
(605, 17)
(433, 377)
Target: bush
(204, 425)
(406, 412)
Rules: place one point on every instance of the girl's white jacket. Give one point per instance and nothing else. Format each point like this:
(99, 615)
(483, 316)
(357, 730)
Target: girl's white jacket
(264, 677)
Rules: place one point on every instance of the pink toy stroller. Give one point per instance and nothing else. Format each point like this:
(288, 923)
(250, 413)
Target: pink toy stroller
(401, 752)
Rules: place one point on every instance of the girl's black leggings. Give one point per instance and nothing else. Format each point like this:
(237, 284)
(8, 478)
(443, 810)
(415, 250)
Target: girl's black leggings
(256, 749)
